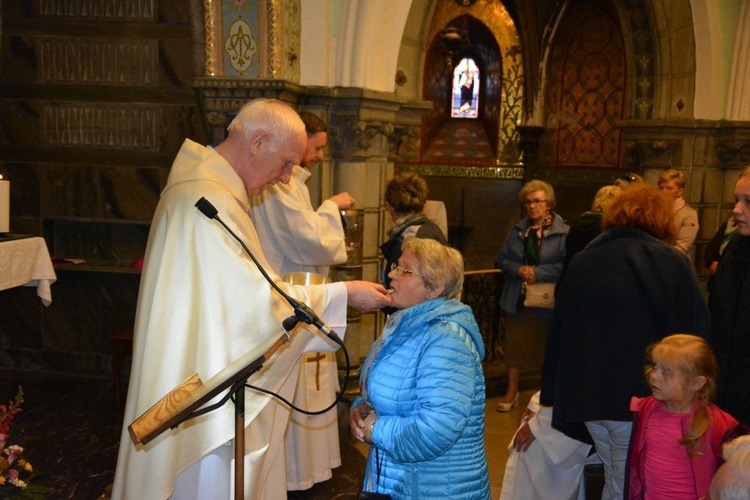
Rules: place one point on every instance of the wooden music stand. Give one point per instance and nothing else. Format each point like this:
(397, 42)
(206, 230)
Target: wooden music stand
(184, 402)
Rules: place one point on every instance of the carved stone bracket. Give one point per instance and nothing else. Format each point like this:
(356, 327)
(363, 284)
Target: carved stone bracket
(221, 98)
(654, 154)
(356, 138)
(734, 152)
(403, 144)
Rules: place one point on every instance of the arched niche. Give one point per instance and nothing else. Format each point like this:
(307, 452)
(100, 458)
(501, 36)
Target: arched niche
(486, 30)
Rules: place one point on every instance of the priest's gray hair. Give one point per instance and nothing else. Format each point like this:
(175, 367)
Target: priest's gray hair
(271, 115)
(437, 264)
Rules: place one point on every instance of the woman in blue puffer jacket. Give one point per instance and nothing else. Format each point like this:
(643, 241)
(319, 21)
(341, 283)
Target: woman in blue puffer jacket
(422, 403)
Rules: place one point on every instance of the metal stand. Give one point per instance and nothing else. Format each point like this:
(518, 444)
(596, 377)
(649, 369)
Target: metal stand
(239, 441)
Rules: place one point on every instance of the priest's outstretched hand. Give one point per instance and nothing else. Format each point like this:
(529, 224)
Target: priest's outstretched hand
(367, 296)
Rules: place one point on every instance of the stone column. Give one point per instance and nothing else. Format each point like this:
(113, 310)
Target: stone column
(529, 142)
(361, 122)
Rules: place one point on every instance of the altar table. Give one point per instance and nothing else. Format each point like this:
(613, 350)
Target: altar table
(26, 262)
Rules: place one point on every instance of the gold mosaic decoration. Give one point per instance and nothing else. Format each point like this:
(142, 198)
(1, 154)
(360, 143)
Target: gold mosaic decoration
(275, 37)
(240, 45)
(211, 66)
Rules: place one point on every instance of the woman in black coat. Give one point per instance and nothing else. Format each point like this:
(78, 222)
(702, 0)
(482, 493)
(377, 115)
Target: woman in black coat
(627, 289)
(730, 311)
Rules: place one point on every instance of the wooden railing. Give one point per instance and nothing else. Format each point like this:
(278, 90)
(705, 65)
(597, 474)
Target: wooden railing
(482, 291)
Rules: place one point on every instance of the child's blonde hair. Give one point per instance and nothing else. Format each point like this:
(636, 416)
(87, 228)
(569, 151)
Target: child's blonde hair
(693, 357)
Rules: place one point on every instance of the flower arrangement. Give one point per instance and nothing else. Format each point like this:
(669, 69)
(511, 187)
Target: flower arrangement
(16, 472)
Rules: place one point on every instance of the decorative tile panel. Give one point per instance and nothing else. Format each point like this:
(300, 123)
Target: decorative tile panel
(253, 39)
(101, 126)
(112, 10)
(643, 50)
(586, 93)
(509, 172)
(108, 61)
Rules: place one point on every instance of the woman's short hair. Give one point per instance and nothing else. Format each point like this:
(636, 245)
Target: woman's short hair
(537, 185)
(272, 115)
(672, 175)
(604, 198)
(745, 172)
(643, 207)
(438, 265)
(406, 193)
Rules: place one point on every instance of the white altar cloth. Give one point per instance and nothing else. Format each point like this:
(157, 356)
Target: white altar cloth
(26, 262)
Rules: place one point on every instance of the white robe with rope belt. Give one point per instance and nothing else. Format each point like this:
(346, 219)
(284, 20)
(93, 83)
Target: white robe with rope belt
(552, 466)
(297, 238)
(202, 304)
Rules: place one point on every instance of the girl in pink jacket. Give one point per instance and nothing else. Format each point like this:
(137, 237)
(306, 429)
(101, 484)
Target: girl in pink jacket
(677, 434)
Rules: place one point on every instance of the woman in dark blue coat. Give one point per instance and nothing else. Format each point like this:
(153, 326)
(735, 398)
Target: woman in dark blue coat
(626, 290)
(533, 252)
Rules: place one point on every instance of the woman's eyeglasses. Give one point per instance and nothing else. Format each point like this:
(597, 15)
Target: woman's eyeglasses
(531, 203)
(401, 270)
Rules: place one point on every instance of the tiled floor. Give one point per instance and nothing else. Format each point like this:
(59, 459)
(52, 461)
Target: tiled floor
(70, 430)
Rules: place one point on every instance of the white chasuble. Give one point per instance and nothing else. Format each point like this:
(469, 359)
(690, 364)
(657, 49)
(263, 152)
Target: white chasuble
(203, 304)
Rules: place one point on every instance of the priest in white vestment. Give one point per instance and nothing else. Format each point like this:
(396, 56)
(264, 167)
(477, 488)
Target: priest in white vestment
(297, 238)
(203, 304)
(543, 462)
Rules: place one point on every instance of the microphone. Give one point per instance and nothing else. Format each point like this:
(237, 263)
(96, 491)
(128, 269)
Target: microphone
(207, 209)
(302, 312)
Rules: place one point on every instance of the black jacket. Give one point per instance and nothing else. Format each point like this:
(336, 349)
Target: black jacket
(730, 329)
(625, 291)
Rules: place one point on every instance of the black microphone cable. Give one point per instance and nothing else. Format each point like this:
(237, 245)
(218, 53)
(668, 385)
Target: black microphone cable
(302, 312)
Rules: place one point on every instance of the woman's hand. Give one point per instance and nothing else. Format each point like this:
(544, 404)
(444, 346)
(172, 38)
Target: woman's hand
(526, 273)
(357, 416)
(524, 436)
(369, 422)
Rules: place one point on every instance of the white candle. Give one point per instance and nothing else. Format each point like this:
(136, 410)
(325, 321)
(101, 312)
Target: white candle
(4, 205)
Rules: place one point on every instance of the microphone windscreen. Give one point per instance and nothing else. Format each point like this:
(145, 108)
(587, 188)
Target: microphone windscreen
(206, 208)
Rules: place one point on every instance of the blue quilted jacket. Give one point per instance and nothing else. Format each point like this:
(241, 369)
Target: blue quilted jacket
(427, 388)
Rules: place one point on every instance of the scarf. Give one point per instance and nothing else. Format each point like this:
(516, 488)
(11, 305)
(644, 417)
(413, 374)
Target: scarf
(404, 222)
(532, 241)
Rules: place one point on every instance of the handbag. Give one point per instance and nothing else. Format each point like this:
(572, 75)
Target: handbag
(540, 295)
(370, 495)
